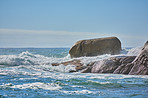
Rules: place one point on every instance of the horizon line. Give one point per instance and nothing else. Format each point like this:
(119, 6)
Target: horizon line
(58, 47)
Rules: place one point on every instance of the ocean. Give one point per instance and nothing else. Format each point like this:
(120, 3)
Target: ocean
(28, 73)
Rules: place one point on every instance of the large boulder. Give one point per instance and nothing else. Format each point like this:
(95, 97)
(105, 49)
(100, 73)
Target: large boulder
(94, 47)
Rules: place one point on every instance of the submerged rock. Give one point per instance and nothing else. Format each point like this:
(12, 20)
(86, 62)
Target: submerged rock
(76, 62)
(94, 47)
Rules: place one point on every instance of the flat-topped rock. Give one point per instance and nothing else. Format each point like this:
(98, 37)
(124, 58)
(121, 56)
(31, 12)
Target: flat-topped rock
(94, 47)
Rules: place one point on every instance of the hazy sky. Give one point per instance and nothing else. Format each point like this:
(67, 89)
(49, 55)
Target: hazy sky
(60, 23)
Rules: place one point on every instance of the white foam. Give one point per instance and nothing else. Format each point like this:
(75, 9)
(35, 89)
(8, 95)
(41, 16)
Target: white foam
(26, 58)
(42, 63)
(134, 51)
(79, 92)
(99, 82)
(78, 86)
(124, 51)
(62, 68)
(87, 60)
(26, 61)
(36, 85)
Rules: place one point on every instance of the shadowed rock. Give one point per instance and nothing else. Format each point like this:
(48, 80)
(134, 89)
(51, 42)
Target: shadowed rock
(94, 47)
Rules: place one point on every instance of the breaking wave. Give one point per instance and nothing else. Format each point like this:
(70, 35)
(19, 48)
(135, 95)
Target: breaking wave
(43, 63)
(28, 74)
(134, 51)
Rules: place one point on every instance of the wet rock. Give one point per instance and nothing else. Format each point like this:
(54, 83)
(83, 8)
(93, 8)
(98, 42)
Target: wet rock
(76, 62)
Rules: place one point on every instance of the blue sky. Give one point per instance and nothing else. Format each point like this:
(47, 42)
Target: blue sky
(60, 23)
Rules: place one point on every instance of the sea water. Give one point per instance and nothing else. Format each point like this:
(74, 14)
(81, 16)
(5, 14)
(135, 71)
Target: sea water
(27, 72)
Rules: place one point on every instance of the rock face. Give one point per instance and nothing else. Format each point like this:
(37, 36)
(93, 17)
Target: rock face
(94, 47)
(105, 66)
(112, 65)
(140, 64)
(131, 65)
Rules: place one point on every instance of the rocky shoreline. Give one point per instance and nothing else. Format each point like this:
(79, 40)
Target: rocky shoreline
(130, 65)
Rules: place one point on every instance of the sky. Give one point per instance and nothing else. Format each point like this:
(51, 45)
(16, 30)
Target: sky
(60, 23)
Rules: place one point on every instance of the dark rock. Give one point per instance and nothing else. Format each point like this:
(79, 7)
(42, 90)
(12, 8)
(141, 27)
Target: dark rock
(87, 70)
(94, 47)
(71, 71)
(55, 64)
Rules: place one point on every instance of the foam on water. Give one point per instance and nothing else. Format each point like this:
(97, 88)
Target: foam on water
(75, 84)
(31, 75)
(134, 51)
(42, 63)
(79, 92)
(36, 62)
(87, 60)
(26, 58)
(36, 85)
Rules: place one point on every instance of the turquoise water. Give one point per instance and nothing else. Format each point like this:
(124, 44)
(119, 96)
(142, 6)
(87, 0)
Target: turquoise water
(27, 72)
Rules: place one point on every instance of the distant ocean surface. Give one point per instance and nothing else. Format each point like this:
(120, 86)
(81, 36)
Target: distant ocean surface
(28, 73)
